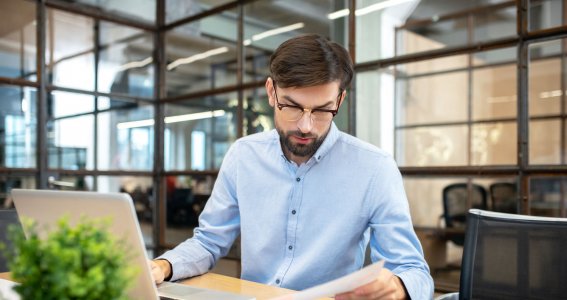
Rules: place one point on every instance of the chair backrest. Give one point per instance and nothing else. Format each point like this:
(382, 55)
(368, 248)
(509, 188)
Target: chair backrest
(7, 218)
(455, 206)
(508, 256)
(503, 197)
(455, 202)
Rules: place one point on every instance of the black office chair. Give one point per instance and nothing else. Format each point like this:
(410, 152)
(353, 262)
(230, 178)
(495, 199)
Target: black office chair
(7, 217)
(455, 206)
(503, 197)
(180, 211)
(509, 256)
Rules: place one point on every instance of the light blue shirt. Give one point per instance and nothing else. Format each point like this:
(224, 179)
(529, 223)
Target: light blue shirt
(305, 225)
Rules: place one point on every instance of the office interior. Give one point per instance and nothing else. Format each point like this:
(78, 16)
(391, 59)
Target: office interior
(146, 96)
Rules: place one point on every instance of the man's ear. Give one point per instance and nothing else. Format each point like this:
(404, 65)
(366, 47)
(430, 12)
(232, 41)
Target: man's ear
(342, 99)
(270, 91)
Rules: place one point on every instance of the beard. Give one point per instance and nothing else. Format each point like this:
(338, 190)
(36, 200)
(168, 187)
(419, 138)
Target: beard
(301, 150)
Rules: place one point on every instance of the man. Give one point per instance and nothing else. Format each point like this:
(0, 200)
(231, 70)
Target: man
(307, 198)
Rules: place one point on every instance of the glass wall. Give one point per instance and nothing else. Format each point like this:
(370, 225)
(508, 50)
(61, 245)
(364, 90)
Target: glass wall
(18, 39)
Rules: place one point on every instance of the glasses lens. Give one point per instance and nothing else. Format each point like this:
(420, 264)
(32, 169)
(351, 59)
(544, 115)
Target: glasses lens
(322, 116)
(292, 113)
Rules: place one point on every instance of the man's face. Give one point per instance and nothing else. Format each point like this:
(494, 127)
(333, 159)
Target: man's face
(302, 132)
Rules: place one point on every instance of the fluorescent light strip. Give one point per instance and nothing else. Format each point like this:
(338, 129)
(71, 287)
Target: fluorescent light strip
(366, 10)
(173, 119)
(195, 116)
(196, 57)
(277, 31)
(134, 124)
(338, 14)
(136, 64)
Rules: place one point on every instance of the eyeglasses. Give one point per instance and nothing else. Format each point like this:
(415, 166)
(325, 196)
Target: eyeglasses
(293, 113)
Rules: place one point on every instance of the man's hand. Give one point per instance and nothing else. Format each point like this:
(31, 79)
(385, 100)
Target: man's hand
(160, 270)
(387, 286)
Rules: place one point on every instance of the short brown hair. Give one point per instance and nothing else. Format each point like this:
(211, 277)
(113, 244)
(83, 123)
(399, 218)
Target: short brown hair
(310, 60)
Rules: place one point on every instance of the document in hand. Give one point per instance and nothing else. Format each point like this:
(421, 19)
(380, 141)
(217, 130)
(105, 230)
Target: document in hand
(344, 284)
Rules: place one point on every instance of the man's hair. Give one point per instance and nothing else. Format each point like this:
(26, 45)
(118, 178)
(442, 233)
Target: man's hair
(310, 60)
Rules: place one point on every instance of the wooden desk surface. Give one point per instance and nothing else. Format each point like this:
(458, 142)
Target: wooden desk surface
(235, 285)
(225, 283)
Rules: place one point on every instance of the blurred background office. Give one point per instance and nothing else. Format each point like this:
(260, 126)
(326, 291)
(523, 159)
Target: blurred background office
(146, 96)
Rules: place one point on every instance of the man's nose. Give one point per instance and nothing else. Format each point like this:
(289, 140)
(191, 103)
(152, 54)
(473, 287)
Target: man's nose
(305, 123)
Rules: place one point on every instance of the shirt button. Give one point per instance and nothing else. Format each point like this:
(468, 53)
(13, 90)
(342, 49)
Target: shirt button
(293, 212)
(290, 247)
(277, 281)
(298, 179)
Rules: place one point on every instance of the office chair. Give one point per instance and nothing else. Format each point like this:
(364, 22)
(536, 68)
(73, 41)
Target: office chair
(180, 211)
(508, 256)
(7, 218)
(455, 206)
(503, 197)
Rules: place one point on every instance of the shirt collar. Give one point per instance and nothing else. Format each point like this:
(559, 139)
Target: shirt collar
(330, 140)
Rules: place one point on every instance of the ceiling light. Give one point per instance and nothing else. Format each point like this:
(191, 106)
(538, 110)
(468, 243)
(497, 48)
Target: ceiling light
(276, 31)
(196, 57)
(173, 119)
(366, 10)
(135, 64)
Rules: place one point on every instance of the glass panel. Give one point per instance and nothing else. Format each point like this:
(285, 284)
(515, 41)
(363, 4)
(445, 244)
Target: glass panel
(179, 9)
(269, 23)
(186, 197)
(71, 143)
(494, 144)
(17, 39)
(198, 132)
(202, 55)
(425, 199)
(7, 183)
(71, 183)
(63, 104)
(133, 9)
(416, 95)
(69, 53)
(385, 15)
(432, 146)
(433, 65)
(258, 114)
(495, 24)
(374, 119)
(126, 138)
(545, 142)
(547, 196)
(494, 92)
(544, 79)
(545, 14)
(126, 61)
(18, 122)
(499, 56)
(437, 35)
(141, 191)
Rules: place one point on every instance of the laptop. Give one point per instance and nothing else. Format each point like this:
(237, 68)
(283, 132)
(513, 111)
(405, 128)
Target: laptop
(47, 207)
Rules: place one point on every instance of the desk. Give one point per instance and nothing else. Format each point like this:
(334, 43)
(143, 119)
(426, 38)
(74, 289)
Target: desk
(225, 283)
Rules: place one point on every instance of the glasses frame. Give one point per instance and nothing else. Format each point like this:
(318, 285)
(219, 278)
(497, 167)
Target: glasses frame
(334, 112)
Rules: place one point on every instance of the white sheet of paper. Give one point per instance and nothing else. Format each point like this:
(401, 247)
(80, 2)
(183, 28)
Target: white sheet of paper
(344, 284)
(6, 291)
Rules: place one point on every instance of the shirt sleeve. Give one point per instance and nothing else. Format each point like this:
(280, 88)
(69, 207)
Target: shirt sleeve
(219, 225)
(393, 238)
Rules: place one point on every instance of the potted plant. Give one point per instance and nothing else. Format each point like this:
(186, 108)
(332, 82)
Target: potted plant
(84, 261)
